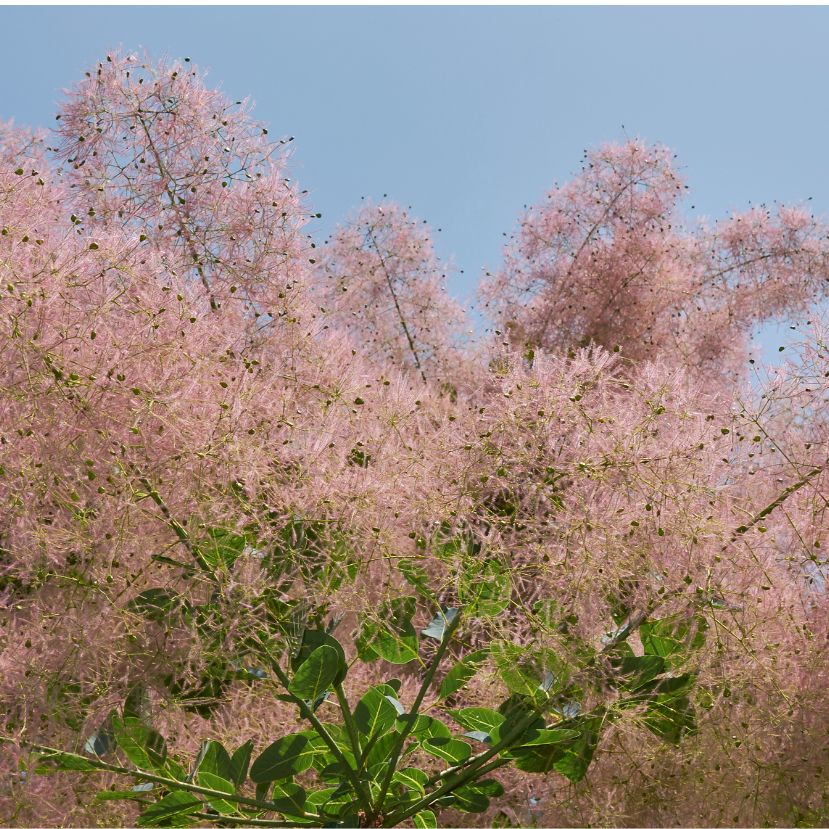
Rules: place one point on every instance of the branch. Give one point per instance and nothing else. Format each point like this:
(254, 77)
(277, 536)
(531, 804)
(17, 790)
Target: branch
(412, 717)
(318, 726)
(172, 523)
(213, 794)
(789, 490)
(397, 305)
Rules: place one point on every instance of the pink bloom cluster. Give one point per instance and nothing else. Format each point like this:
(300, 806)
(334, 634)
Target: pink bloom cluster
(178, 356)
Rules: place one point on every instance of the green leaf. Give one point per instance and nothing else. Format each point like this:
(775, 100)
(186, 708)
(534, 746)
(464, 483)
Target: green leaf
(528, 672)
(174, 563)
(579, 754)
(317, 549)
(450, 544)
(478, 719)
(673, 639)
(219, 784)
(391, 635)
(671, 717)
(517, 708)
(448, 748)
(424, 726)
(621, 603)
(175, 771)
(144, 746)
(485, 588)
(378, 755)
(240, 762)
(213, 759)
(516, 674)
(156, 604)
(490, 787)
(222, 548)
(374, 713)
(416, 576)
(313, 638)
(642, 669)
(619, 651)
(316, 674)
(411, 778)
(671, 686)
(62, 762)
(335, 771)
(436, 629)
(165, 811)
(425, 819)
(474, 797)
(319, 797)
(283, 758)
(288, 798)
(130, 794)
(137, 704)
(551, 736)
(322, 756)
(402, 799)
(461, 672)
(539, 760)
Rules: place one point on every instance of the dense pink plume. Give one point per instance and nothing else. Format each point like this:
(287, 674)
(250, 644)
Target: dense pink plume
(150, 149)
(384, 285)
(609, 259)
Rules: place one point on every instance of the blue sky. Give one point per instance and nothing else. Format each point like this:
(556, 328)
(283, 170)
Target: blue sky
(466, 113)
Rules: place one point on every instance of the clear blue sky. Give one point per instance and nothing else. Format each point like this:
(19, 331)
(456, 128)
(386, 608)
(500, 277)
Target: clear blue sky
(467, 114)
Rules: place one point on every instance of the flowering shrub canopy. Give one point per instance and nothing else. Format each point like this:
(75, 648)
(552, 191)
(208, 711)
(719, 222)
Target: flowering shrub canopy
(217, 431)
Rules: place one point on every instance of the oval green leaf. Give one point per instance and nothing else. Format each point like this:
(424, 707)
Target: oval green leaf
(284, 758)
(316, 674)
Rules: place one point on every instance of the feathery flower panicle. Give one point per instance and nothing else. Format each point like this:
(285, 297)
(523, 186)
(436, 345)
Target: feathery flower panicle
(383, 284)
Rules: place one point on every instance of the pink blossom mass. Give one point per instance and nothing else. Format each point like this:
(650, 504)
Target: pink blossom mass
(184, 360)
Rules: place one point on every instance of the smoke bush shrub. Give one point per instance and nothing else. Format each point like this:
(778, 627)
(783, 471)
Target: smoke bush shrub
(223, 444)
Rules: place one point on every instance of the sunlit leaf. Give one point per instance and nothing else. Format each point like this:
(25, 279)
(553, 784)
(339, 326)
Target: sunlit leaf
(374, 712)
(390, 635)
(411, 778)
(478, 719)
(448, 748)
(461, 672)
(316, 674)
(425, 819)
(436, 629)
(144, 746)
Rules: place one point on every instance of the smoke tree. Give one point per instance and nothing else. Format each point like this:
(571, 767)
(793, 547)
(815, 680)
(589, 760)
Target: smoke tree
(230, 453)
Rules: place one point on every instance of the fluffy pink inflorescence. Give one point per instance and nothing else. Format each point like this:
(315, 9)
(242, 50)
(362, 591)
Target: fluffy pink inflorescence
(171, 357)
(150, 149)
(608, 259)
(383, 284)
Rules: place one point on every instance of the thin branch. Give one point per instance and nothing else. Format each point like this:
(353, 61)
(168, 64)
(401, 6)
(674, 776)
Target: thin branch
(320, 728)
(393, 293)
(412, 716)
(213, 794)
(786, 493)
(172, 523)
